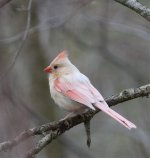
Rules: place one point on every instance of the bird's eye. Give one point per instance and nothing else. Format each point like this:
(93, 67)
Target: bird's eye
(55, 67)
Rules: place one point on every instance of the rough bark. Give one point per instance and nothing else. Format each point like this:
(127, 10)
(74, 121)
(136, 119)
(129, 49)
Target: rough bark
(52, 130)
(137, 7)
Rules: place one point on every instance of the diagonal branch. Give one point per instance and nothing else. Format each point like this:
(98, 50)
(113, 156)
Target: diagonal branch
(57, 128)
(137, 7)
(21, 45)
(4, 2)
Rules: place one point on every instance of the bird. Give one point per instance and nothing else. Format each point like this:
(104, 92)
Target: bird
(72, 90)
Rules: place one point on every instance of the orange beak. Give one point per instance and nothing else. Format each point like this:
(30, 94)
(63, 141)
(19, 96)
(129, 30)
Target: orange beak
(48, 69)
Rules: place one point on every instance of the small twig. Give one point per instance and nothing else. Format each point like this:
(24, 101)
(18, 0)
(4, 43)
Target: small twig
(49, 22)
(22, 42)
(4, 2)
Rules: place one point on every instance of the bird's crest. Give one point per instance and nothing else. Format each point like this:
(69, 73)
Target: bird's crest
(61, 56)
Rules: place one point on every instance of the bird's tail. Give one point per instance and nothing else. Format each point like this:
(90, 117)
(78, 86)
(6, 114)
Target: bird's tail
(115, 115)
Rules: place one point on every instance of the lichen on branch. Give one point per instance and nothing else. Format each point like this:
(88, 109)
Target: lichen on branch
(52, 130)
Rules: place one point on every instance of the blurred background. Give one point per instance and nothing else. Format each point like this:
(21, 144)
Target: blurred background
(106, 41)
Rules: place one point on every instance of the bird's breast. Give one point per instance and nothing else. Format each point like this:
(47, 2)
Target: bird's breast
(63, 101)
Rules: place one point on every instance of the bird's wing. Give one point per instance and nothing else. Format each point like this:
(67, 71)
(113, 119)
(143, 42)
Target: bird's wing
(78, 92)
(97, 94)
(86, 94)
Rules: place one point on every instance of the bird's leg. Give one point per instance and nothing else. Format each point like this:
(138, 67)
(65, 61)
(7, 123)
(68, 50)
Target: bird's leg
(71, 114)
(86, 124)
(74, 113)
(88, 132)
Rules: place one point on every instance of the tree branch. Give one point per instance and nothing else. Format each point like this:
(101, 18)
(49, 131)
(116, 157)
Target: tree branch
(57, 128)
(137, 7)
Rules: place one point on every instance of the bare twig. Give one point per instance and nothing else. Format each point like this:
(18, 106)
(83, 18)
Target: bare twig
(114, 25)
(57, 128)
(22, 41)
(4, 2)
(139, 32)
(108, 55)
(49, 23)
(137, 7)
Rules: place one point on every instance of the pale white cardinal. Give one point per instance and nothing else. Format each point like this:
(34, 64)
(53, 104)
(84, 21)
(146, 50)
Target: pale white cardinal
(72, 90)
